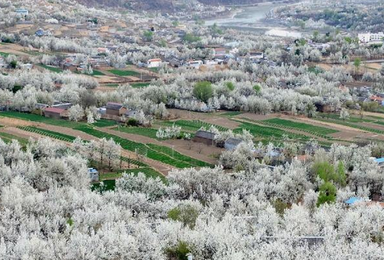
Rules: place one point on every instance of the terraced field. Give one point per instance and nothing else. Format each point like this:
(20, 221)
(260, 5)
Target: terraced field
(151, 151)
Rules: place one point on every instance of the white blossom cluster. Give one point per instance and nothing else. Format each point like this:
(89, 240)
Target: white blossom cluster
(48, 211)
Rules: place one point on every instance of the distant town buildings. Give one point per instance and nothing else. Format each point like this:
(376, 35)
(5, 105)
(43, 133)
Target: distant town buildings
(22, 11)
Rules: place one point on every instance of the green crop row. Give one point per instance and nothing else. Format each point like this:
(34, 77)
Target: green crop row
(51, 134)
(267, 132)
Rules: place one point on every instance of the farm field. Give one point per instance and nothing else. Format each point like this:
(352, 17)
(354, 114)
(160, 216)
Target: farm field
(7, 138)
(148, 132)
(51, 134)
(139, 85)
(52, 121)
(267, 133)
(50, 68)
(193, 125)
(362, 125)
(174, 159)
(287, 124)
(124, 73)
(263, 128)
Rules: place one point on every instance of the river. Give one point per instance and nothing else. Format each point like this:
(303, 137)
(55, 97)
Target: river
(252, 19)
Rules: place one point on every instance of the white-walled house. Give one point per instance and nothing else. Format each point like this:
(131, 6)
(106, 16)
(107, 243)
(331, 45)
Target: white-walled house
(195, 64)
(154, 63)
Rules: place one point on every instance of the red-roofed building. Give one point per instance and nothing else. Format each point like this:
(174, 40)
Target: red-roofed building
(53, 112)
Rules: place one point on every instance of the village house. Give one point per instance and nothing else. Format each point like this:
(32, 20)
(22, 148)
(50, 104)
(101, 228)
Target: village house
(378, 99)
(371, 38)
(52, 112)
(219, 52)
(231, 143)
(60, 105)
(204, 137)
(115, 109)
(154, 63)
(194, 64)
(256, 56)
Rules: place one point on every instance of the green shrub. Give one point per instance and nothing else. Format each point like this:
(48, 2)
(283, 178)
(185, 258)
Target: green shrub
(132, 122)
(179, 252)
(185, 214)
(203, 91)
(327, 193)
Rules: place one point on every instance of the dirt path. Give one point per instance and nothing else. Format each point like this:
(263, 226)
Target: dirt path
(366, 113)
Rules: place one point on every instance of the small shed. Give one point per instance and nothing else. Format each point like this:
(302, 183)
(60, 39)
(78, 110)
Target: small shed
(115, 109)
(93, 174)
(53, 112)
(204, 137)
(232, 143)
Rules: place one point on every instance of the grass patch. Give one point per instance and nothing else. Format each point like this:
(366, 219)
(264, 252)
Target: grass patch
(108, 185)
(231, 113)
(7, 138)
(124, 73)
(41, 119)
(140, 85)
(50, 68)
(97, 73)
(144, 131)
(4, 54)
(148, 172)
(53, 121)
(112, 85)
(104, 123)
(108, 180)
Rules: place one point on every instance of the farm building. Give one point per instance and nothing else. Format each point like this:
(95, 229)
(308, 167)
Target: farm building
(53, 112)
(204, 137)
(232, 143)
(62, 105)
(115, 109)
